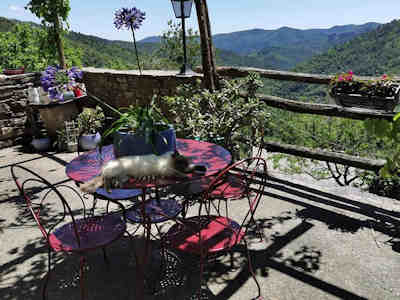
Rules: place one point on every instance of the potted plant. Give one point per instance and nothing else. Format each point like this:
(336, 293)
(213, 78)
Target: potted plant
(90, 121)
(41, 141)
(13, 65)
(14, 70)
(142, 130)
(380, 94)
(59, 84)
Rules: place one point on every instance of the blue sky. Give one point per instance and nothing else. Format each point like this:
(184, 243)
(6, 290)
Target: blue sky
(95, 17)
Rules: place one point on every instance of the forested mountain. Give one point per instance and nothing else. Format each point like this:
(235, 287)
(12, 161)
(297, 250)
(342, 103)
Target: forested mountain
(277, 49)
(97, 52)
(282, 48)
(370, 54)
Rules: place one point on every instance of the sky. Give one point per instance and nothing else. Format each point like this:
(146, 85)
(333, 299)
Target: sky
(96, 17)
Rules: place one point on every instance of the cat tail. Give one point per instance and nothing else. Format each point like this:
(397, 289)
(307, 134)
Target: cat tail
(92, 185)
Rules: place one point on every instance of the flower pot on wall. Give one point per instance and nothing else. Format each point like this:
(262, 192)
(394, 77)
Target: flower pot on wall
(135, 144)
(14, 71)
(89, 141)
(368, 102)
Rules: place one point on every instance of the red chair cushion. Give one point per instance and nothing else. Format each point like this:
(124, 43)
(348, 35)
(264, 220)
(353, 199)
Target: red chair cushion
(94, 232)
(228, 187)
(217, 234)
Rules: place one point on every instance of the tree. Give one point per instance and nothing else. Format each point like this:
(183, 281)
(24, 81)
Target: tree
(171, 45)
(24, 46)
(54, 14)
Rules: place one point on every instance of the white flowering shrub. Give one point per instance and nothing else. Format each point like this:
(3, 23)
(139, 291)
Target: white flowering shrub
(223, 117)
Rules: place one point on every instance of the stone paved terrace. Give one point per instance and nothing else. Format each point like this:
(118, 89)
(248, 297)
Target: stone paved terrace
(321, 242)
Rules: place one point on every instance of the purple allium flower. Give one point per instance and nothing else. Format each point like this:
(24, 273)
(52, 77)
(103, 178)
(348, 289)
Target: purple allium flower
(128, 18)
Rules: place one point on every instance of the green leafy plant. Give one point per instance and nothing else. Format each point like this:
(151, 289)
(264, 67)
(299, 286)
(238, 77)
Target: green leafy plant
(224, 116)
(171, 45)
(146, 120)
(389, 134)
(54, 15)
(90, 120)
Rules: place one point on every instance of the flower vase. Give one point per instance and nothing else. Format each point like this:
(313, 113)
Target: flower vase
(368, 102)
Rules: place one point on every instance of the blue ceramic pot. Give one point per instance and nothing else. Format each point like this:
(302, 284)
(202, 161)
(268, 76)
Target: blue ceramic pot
(41, 144)
(89, 141)
(134, 144)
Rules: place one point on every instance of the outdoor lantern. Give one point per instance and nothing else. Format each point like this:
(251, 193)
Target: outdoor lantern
(182, 10)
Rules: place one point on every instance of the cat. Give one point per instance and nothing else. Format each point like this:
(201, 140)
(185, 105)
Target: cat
(170, 164)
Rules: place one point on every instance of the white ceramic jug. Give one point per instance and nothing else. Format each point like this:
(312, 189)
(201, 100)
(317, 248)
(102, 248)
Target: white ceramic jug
(33, 95)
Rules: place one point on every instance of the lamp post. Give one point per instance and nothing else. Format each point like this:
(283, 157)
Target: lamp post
(182, 10)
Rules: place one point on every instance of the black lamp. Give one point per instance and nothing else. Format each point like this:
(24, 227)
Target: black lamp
(182, 10)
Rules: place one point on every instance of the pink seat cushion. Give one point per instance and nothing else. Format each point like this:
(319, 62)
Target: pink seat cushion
(217, 234)
(94, 232)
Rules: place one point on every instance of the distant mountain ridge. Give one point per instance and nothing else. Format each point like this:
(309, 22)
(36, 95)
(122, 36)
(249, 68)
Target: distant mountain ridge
(282, 48)
(249, 41)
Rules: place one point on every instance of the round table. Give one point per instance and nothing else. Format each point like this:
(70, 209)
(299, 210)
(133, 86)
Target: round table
(215, 158)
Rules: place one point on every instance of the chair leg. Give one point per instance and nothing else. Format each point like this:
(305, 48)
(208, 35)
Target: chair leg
(47, 277)
(250, 265)
(106, 260)
(81, 277)
(94, 205)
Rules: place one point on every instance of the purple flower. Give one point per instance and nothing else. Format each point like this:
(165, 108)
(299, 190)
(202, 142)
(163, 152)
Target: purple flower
(56, 81)
(128, 18)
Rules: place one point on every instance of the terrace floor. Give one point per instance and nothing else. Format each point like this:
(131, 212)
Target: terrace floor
(321, 242)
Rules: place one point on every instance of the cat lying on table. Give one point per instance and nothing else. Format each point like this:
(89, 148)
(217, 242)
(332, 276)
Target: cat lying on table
(170, 164)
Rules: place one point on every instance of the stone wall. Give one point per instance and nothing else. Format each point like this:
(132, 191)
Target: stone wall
(124, 88)
(13, 105)
(118, 88)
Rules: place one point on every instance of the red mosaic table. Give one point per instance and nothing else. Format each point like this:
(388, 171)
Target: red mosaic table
(215, 158)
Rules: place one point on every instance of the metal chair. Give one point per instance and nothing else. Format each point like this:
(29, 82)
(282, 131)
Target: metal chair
(64, 231)
(213, 231)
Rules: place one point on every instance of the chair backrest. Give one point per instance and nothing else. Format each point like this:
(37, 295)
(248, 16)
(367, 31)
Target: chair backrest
(243, 180)
(39, 194)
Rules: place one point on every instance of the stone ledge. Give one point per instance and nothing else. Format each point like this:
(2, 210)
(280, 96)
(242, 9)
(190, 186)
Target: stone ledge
(145, 73)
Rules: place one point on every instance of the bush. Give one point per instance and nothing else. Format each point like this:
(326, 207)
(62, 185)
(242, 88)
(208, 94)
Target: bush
(223, 117)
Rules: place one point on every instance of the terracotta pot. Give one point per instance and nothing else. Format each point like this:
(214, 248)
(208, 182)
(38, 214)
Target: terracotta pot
(14, 71)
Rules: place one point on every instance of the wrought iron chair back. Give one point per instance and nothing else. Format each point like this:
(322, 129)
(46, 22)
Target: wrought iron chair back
(214, 230)
(48, 191)
(66, 233)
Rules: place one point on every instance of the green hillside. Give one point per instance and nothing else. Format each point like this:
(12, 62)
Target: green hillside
(282, 48)
(370, 54)
(97, 52)
(276, 49)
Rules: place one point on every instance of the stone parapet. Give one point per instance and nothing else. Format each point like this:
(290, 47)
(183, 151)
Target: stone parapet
(13, 106)
(124, 88)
